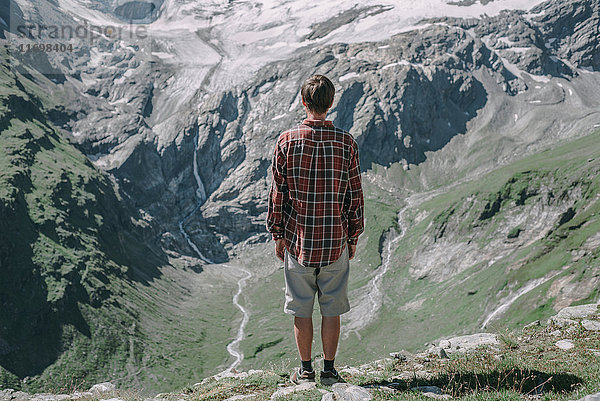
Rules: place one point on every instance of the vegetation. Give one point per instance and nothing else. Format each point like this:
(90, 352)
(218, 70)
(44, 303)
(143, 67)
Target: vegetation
(527, 363)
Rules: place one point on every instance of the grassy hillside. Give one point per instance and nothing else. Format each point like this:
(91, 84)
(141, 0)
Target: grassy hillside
(522, 364)
(467, 250)
(532, 225)
(85, 296)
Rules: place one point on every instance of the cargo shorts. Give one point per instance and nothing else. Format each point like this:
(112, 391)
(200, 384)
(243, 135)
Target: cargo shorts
(329, 282)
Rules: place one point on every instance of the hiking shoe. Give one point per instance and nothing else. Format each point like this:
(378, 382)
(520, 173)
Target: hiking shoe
(329, 377)
(303, 376)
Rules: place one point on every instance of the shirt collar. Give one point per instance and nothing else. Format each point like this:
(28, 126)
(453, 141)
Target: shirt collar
(318, 123)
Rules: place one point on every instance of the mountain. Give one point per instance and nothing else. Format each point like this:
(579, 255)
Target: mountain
(477, 129)
(85, 294)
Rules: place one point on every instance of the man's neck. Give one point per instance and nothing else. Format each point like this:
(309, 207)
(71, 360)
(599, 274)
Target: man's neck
(313, 116)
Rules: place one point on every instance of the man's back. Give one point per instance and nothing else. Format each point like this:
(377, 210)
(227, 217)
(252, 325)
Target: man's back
(316, 200)
(315, 216)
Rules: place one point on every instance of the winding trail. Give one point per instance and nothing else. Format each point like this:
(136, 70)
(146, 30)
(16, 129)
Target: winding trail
(533, 284)
(371, 298)
(234, 346)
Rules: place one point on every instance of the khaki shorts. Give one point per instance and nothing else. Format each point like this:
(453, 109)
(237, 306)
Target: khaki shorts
(330, 282)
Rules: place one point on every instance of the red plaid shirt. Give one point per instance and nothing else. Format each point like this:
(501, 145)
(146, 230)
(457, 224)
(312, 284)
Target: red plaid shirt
(316, 199)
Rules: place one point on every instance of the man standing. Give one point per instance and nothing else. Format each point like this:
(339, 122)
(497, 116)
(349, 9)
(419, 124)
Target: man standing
(315, 216)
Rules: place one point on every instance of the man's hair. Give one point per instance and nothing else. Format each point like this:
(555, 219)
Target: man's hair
(317, 92)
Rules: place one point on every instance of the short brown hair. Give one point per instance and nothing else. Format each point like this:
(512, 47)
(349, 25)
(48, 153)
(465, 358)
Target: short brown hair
(318, 92)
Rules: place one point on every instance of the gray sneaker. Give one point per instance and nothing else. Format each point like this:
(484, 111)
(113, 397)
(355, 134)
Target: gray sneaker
(302, 376)
(329, 377)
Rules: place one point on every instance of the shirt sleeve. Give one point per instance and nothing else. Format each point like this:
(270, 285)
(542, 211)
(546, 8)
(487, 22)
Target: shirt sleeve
(278, 193)
(354, 198)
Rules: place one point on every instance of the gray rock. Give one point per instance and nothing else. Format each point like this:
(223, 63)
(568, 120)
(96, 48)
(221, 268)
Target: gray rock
(240, 397)
(293, 389)
(439, 352)
(469, 342)
(591, 397)
(49, 397)
(431, 392)
(350, 392)
(570, 315)
(328, 397)
(103, 387)
(565, 344)
(577, 312)
(591, 325)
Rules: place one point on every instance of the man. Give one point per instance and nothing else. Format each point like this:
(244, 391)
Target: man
(315, 216)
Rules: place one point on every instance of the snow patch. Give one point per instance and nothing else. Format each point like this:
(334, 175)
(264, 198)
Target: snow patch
(163, 55)
(348, 76)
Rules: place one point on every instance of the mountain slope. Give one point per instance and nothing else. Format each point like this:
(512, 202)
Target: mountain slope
(84, 293)
(514, 245)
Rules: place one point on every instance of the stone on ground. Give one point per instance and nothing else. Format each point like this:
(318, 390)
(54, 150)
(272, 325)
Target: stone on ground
(293, 389)
(468, 343)
(103, 387)
(431, 392)
(347, 392)
(565, 344)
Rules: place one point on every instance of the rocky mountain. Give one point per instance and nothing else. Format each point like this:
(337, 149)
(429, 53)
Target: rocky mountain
(476, 128)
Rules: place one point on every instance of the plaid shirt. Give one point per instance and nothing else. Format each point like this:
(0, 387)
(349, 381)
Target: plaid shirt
(316, 199)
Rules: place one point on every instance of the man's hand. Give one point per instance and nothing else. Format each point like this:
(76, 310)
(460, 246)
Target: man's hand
(280, 248)
(351, 250)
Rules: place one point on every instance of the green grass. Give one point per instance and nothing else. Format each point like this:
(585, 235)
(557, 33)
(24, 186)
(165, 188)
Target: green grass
(459, 303)
(525, 363)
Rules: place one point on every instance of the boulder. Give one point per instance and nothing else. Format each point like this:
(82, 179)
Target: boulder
(591, 397)
(571, 314)
(103, 387)
(565, 344)
(349, 392)
(468, 343)
(293, 389)
(591, 325)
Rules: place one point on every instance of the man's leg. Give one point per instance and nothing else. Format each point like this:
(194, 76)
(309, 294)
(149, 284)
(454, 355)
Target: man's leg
(303, 331)
(330, 334)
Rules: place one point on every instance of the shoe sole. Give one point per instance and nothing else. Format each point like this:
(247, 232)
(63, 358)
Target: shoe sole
(329, 381)
(300, 381)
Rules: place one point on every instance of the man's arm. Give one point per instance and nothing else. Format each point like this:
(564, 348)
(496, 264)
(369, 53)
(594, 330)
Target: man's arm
(354, 199)
(278, 194)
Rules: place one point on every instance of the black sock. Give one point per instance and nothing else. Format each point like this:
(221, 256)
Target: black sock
(328, 365)
(307, 366)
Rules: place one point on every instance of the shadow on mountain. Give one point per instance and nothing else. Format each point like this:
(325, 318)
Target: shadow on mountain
(523, 381)
(70, 246)
(416, 115)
